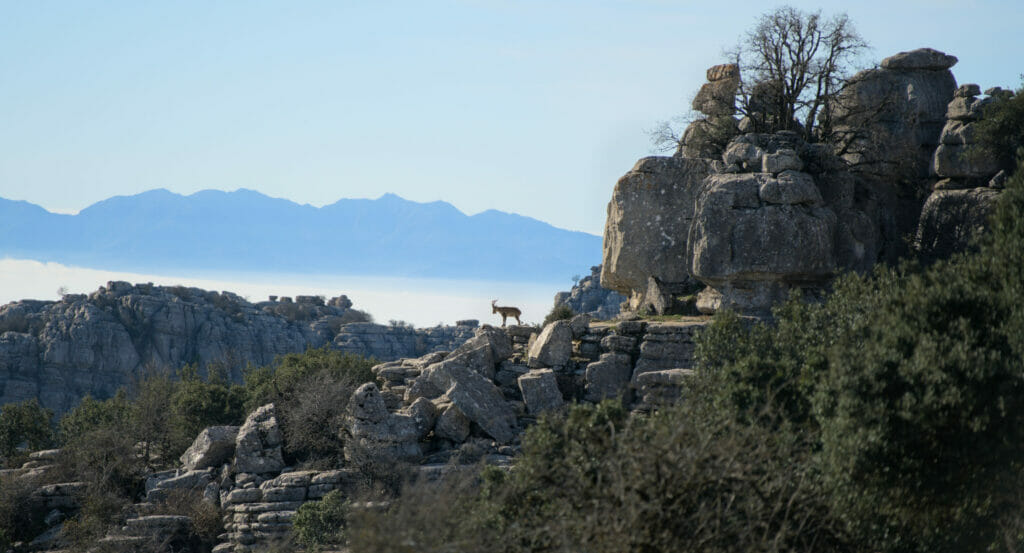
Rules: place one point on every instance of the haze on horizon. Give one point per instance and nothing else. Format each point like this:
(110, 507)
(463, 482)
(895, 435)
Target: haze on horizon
(534, 108)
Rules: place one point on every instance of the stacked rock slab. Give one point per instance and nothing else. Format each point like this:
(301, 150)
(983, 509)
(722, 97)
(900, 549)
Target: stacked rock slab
(965, 196)
(705, 137)
(889, 120)
(761, 228)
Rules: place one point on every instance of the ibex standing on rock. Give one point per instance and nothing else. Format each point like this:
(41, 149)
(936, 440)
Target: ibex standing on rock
(506, 312)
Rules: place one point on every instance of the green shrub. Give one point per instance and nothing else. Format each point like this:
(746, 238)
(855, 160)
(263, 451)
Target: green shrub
(21, 512)
(24, 424)
(311, 392)
(559, 312)
(91, 414)
(320, 523)
(598, 480)
(1000, 133)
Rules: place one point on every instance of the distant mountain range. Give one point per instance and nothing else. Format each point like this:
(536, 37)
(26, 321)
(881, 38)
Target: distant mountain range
(244, 230)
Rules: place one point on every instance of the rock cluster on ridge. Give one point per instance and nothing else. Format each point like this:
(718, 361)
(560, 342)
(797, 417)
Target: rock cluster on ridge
(60, 351)
(751, 216)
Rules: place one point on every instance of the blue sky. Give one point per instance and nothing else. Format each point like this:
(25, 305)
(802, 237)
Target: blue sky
(530, 107)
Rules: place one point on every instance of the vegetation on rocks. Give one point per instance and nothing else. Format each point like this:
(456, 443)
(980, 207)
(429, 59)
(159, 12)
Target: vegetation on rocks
(888, 418)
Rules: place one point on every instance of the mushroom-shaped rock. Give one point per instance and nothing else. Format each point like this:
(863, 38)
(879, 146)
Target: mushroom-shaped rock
(926, 59)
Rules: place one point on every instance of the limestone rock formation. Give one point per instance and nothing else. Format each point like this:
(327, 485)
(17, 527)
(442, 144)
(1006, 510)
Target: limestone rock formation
(259, 441)
(774, 213)
(212, 448)
(589, 297)
(648, 221)
(716, 99)
(952, 218)
(59, 351)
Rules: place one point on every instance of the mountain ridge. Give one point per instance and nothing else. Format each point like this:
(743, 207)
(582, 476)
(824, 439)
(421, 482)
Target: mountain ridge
(246, 230)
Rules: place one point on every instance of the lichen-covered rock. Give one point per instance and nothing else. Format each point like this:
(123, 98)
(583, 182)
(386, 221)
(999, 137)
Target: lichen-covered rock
(540, 391)
(259, 441)
(372, 428)
(452, 424)
(951, 218)
(213, 447)
(648, 220)
(609, 376)
(735, 237)
(553, 347)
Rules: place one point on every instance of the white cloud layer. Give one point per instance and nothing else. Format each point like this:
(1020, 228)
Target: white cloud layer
(422, 302)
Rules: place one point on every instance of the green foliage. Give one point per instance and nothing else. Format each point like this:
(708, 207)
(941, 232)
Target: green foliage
(599, 480)
(21, 512)
(197, 404)
(320, 523)
(92, 414)
(25, 423)
(560, 312)
(1000, 133)
(887, 418)
(311, 392)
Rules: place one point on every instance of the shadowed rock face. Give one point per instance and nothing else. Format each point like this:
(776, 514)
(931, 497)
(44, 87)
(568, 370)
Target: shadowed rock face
(951, 218)
(60, 351)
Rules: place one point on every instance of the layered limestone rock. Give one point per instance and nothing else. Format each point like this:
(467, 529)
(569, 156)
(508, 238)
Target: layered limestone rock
(705, 137)
(589, 297)
(888, 122)
(773, 213)
(965, 196)
(648, 222)
(782, 216)
(60, 351)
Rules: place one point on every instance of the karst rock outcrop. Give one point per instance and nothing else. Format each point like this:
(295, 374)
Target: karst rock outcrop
(752, 216)
(60, 351)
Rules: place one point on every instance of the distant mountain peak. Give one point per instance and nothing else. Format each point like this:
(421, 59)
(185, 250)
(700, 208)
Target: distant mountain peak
(246, 230)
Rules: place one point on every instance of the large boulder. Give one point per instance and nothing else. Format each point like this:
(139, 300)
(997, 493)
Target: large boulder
(553, 347)
(951, 219)
(372, 428)
(466, 378)
(609, 376)
(749, 245)
(540, 391)
(259, 441)
(213, 447)
(648, 220)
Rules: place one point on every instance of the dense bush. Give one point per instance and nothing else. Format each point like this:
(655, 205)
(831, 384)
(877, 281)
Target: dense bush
(887, 418)
(311, 392)
(21, 512)
(24, 424)
(559, 312)
(321, 523)
(1001, 132)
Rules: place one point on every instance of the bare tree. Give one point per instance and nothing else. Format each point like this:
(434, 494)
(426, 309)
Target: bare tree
(793, 63)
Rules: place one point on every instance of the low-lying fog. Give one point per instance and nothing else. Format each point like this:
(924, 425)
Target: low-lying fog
(422, 302)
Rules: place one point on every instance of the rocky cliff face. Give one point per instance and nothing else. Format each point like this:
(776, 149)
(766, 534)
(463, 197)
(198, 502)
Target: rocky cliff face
(60, 351)
(752, 216)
